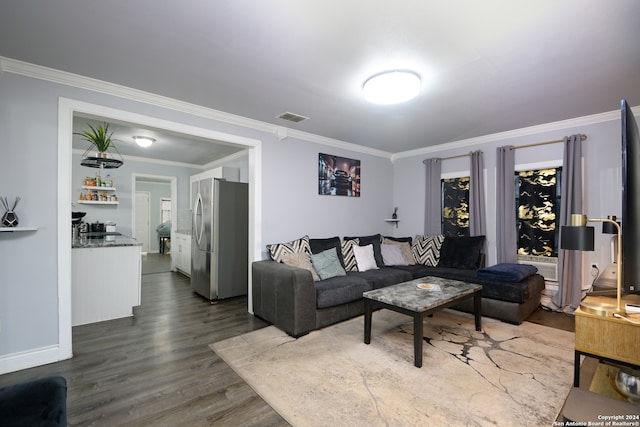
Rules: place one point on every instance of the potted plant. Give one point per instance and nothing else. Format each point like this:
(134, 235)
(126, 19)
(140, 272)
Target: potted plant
(99, 136)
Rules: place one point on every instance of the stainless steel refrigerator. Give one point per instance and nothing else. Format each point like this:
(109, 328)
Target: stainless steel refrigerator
(219, 238)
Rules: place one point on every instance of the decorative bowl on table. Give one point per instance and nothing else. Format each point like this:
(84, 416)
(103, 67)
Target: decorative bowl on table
(628, 383)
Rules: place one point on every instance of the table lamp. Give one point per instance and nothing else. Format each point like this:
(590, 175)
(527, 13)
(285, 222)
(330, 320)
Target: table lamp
(579, 237)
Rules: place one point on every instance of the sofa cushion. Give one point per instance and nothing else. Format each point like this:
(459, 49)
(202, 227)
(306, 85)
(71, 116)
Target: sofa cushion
(348, 258)
(507, 272)
(327, 264)
(517, 292)
(392, 255)
(277, 250)
(385, 276)
(376, 241)
(301, 260)
(321, 245)
(364, 258)
(341, 290)
(404, 243)
(461, 252)
(426, 249)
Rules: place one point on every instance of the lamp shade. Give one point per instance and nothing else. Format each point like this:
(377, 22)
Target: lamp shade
(577, 238)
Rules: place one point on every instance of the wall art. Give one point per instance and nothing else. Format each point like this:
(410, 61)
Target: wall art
(338, 176)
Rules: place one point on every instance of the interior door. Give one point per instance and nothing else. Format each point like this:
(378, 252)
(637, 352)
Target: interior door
(143, 215)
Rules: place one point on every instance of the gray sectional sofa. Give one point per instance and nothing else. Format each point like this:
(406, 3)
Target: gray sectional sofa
(288, 297)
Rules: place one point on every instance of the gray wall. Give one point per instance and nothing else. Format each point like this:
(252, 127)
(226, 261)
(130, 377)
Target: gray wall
(291, 206)
(601, 168)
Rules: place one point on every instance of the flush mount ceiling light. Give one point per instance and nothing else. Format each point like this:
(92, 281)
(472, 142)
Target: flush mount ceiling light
(392, 87)
(143, 141)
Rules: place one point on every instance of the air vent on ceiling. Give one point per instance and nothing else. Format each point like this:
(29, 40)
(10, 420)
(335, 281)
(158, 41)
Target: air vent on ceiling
(296, 118)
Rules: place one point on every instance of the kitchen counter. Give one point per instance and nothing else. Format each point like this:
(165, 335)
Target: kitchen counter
(105, 281)
(105, 242)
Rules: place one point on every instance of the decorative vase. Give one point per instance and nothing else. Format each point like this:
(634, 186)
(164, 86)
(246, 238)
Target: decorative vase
(629, 385)
(10, 219)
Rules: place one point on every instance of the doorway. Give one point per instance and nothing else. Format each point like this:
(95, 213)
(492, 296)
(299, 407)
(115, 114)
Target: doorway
(66, 110)
(142, 215)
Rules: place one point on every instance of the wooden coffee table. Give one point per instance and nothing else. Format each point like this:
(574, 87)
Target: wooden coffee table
(415, 300)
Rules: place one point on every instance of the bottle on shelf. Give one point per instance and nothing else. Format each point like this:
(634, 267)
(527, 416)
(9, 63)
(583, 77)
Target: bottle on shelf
(98, 180)
(108, 182)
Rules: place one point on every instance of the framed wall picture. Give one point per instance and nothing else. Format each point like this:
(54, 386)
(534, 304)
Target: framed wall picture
(338, 176)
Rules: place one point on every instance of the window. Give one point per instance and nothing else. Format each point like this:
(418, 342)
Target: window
(165, 210)
(455, 206)
(538, 211)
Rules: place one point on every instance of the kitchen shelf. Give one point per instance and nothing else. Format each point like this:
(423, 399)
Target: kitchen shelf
(12, 229)
(96, 188)
(96, 202)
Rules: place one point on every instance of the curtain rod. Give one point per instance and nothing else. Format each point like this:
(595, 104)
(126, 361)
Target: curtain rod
(555, 141)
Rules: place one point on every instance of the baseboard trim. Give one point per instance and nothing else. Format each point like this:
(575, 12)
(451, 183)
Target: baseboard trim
(32, 358)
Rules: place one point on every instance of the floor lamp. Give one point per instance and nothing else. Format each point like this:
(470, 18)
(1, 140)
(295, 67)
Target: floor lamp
(578, 236)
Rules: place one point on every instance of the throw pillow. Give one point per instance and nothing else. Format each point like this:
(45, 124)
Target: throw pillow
(365, 258)
(327, 264)
(376, 241)
(461, 252)
(348, 257)
(321, 245)
(276, 251)
(426, 249)
(300, 260)
(405, 247)
(392, 255)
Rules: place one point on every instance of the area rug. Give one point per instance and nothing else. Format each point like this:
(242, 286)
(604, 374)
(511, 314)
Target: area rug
(505, 375)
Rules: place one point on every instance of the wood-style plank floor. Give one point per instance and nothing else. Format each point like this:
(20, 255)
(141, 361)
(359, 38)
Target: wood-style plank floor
(156, 368)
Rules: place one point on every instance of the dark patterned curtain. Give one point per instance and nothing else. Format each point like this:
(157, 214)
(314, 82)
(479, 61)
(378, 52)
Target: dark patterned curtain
(538, 208)
(455, 206)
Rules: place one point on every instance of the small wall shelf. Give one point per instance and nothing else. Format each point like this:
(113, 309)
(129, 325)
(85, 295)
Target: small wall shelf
(96, 188)
(392, 220)
(12, 229)
(96, 202)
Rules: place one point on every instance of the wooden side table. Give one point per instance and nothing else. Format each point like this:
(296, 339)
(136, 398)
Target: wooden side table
(607, 338)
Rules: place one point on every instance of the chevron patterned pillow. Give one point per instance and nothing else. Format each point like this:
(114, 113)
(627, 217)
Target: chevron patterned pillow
(348, 256)
(277, 250)
(426, 249)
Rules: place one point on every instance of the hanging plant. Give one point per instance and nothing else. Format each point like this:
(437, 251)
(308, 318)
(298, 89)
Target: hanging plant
(99, 136)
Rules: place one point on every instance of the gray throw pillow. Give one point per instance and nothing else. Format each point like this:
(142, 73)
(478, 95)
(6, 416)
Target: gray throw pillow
(327, 264)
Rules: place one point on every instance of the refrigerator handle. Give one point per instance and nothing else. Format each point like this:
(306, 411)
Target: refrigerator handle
(198, 225)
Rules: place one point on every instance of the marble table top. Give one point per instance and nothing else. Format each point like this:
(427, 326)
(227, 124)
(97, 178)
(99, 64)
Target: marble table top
(422, 294)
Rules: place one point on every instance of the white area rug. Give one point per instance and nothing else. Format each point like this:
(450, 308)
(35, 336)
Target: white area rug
(505, 375)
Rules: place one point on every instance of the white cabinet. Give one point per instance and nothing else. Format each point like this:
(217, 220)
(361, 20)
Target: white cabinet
(181, 250)
(105, 283)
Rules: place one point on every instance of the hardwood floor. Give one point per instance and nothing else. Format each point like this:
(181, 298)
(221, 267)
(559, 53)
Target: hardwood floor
(156, 368)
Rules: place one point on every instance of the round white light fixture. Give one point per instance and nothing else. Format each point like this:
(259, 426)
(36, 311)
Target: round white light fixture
(143, 141)
(392, 87)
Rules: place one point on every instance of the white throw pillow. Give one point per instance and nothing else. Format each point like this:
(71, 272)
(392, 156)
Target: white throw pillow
(364, 257)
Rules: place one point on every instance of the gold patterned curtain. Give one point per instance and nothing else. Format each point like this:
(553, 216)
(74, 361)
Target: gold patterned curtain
(455, 206)
(538, 209)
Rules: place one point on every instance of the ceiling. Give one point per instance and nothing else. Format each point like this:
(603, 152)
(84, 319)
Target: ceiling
(486, 66)
(168, 146)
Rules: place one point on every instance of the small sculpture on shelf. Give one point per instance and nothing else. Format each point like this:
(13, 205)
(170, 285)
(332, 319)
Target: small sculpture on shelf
(9, 219)
(395, 213)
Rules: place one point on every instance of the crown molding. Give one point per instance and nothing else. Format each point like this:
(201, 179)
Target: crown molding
(74, 80)
(516, 133)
